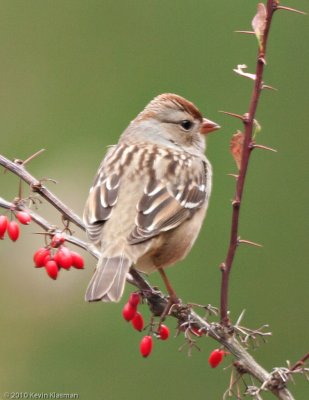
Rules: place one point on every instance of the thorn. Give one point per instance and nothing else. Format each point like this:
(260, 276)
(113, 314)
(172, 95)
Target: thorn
(240, 317)
(260, 146)
(232, 114)
(269, 87)
(41, 181)
(42, 233)
(290, 9)
(33, 156)
(233, 175)
(239, 241)
(245, 32)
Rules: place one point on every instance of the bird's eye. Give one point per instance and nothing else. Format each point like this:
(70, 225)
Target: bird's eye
(186, 124)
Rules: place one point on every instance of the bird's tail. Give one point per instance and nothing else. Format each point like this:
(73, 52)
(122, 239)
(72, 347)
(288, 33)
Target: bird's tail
(108, 281)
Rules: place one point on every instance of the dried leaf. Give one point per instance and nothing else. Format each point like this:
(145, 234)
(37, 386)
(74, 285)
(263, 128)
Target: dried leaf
(259, 23)
(236, 147)
(239, 71)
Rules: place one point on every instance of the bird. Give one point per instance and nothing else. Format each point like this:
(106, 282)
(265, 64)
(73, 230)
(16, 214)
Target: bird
(150, 195)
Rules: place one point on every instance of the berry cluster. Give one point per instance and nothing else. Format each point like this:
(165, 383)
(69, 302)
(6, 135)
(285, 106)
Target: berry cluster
(11, 226)
(130, 313)
(56, 256)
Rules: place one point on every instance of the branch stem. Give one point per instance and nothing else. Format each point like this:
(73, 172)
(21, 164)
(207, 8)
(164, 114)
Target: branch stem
(300, 362)
(249, 123)
(37, 187)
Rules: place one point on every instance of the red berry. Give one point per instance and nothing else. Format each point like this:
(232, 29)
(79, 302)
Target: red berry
(48, 257)
(216, 357)
(163, 332)
(197, 331)
(13, 230)
(3, 225)
(63, 257)
(40, 256)
(57, 240)
(77, 260)
(23, 217)
(146, 346)
(134, 299)
(128, 312)
(52, 269)
(138, 322)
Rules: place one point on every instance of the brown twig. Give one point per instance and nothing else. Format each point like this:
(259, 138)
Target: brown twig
(36, 186)
(48, 227)
(248, 122)
(300, 362)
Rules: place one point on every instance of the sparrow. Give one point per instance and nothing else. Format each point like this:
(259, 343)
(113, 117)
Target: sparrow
(150, 195)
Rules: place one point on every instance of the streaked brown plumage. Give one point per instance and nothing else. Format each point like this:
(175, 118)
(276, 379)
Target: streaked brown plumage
(150, 194)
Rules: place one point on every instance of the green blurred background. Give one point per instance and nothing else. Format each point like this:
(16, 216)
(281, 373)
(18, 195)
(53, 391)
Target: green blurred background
(72, 75)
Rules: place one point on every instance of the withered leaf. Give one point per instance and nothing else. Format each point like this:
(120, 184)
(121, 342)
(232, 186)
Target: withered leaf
(259, 22)
(236, 147)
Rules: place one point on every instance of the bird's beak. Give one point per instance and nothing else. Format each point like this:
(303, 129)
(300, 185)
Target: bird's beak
(209, 126)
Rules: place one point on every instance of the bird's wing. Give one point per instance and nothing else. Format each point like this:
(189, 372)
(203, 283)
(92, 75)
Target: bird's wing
(103, 194)
(177, 188)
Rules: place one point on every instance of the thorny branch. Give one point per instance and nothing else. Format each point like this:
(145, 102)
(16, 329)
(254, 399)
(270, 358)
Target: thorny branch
(18, 168)
(300, 363)
(262, 23)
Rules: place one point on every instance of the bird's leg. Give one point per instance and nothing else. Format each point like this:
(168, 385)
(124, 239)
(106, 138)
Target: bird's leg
(173, 299)
(172, 294)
